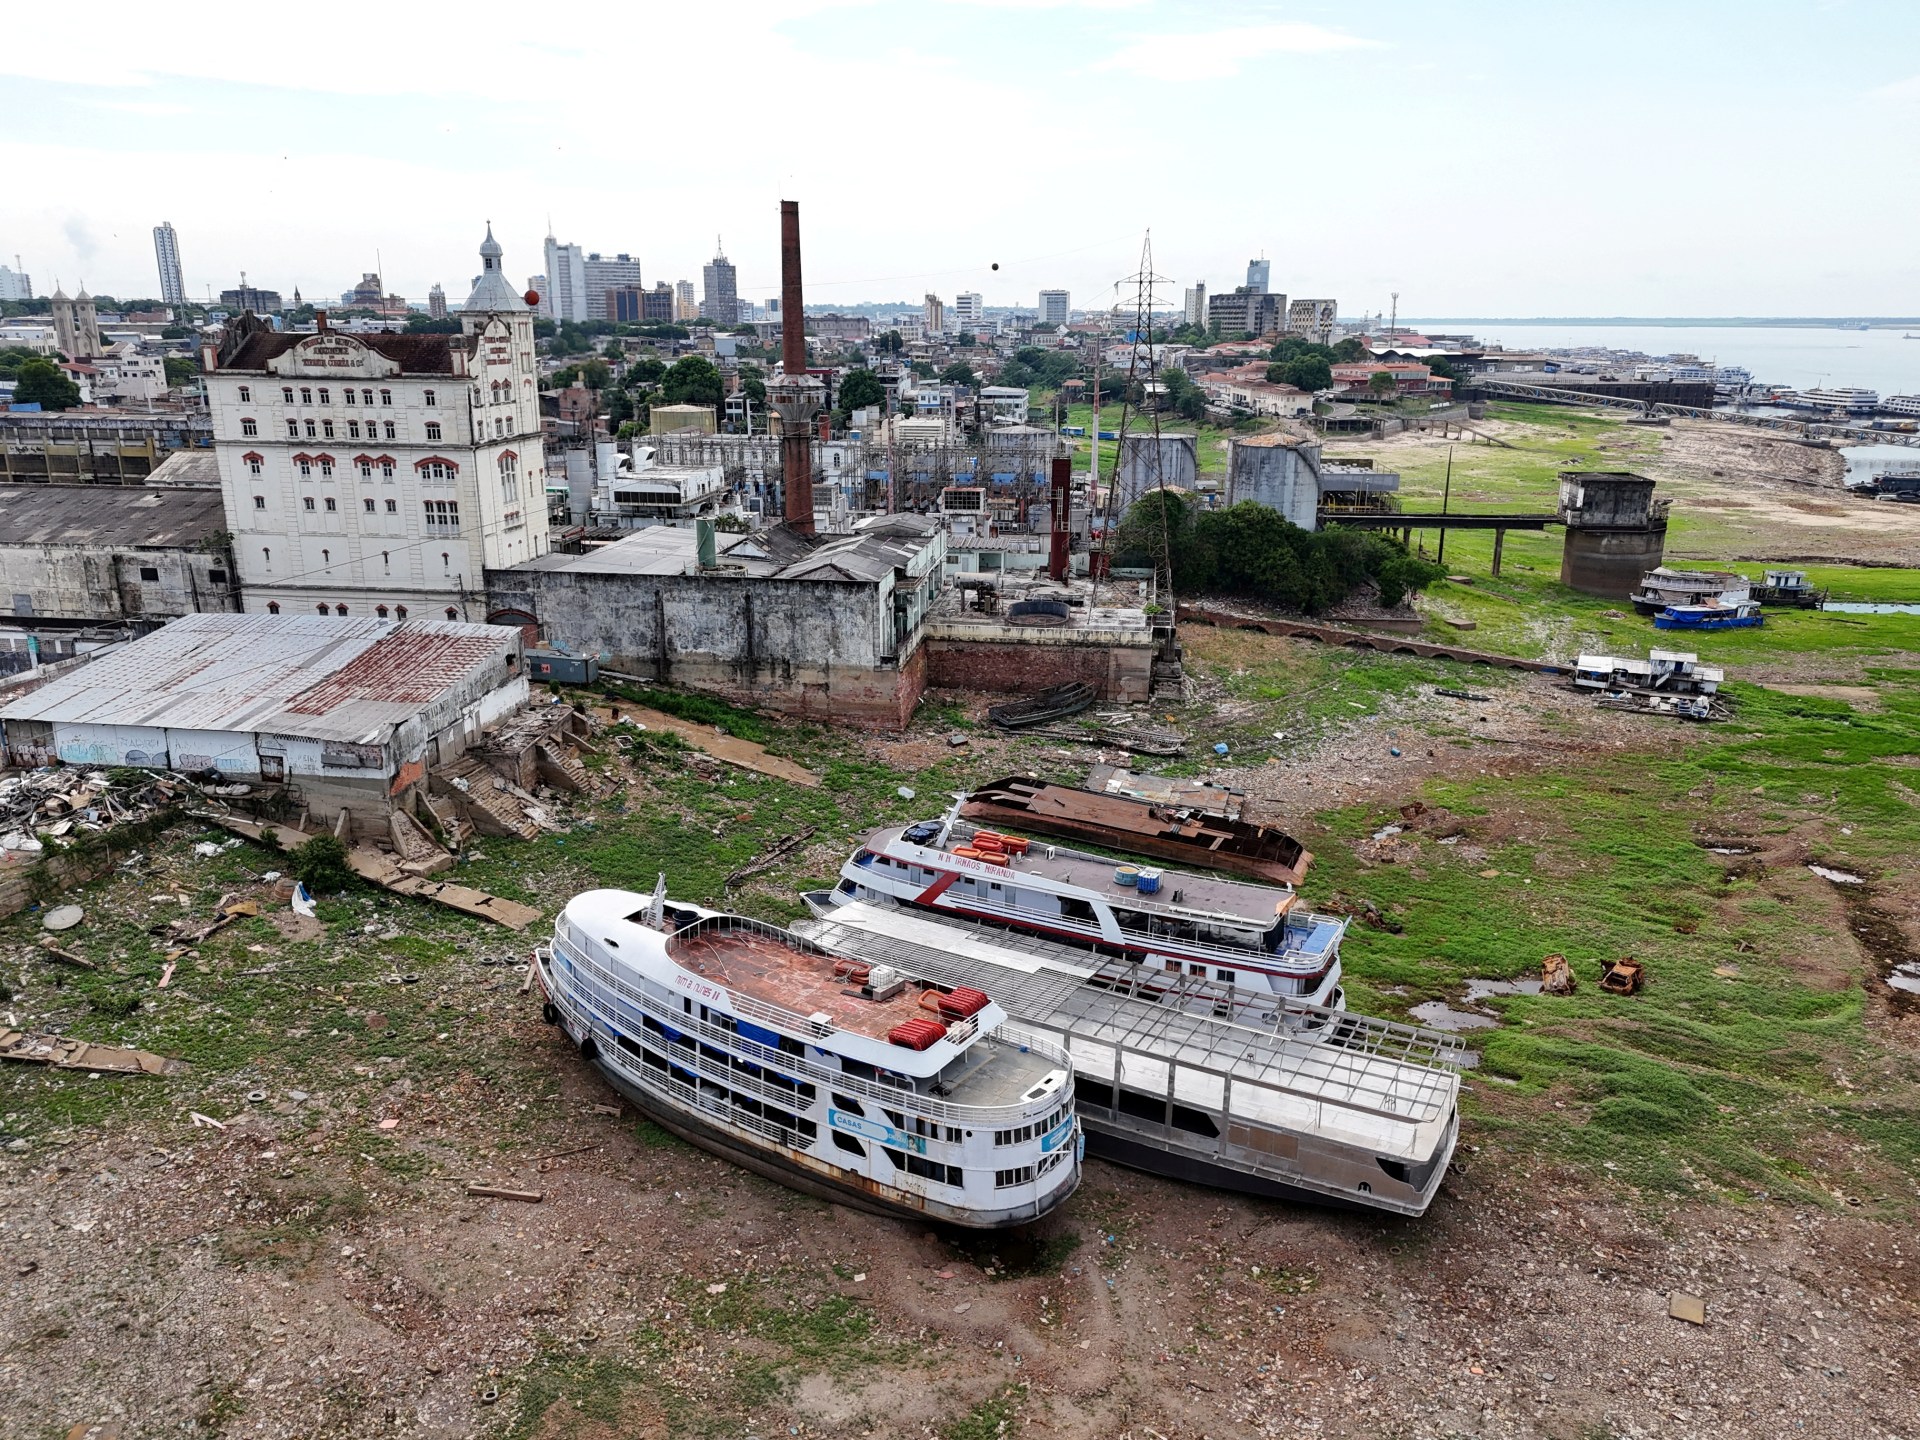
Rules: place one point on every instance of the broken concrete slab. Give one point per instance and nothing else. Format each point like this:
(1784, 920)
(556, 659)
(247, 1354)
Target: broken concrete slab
(64, 1052)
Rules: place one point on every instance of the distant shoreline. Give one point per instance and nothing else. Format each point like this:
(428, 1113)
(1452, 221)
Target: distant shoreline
(1810, 322)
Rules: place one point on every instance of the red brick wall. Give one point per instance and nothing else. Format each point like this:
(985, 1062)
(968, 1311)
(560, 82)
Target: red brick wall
(1124, 675)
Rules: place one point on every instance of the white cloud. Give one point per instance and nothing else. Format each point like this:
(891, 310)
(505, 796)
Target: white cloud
(1213, 54)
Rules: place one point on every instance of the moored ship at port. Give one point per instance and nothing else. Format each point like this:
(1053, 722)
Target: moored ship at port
(839, 1078)
(1255, 937)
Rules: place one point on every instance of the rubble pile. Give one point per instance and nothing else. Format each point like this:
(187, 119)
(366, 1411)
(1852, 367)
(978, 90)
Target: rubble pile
(55, 801)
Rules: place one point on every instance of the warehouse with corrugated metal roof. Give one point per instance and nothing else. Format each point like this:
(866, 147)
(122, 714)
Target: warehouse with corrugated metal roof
(349, 713)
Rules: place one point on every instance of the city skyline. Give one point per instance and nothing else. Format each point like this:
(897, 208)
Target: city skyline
(1634, 227)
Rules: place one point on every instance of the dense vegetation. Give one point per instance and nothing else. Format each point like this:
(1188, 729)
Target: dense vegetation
(1249, 549)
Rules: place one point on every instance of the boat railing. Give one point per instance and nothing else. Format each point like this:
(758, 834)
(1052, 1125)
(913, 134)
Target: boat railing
(799, 1067)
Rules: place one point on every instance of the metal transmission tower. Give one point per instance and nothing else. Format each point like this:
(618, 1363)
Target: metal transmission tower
(1143, 280)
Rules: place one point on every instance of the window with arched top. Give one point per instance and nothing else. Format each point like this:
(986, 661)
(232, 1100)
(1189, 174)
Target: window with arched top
(273, 607)
(339, 609)
(266, 556)
(452, 614)
(399, 612)
(381, 611)
(287, 392)
(321, 607)
(248, 426)
(386, 397)
(306, 395)
(326, 557)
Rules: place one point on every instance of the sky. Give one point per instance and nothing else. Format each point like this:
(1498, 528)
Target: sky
(1481, 158)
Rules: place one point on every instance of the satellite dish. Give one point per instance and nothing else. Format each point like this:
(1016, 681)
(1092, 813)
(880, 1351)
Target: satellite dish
(533, 298)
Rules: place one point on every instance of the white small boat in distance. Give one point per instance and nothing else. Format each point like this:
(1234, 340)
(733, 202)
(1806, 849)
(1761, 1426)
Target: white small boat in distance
(833, 1076)
(1254, 937)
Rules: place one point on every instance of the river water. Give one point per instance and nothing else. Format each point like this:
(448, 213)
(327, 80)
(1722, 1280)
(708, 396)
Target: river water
(1800, 356)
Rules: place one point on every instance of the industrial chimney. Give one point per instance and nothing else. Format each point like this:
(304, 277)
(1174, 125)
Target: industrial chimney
(795, 396)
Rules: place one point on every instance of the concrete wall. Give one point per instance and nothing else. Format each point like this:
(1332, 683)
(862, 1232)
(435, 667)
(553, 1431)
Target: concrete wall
(73, 582)
(816, 648)
(1610, 562)
(1285, 478)
(1146, 463)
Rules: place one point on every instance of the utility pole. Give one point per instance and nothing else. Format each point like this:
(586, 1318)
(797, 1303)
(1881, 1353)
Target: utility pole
(1393, 325)
(1446, 494)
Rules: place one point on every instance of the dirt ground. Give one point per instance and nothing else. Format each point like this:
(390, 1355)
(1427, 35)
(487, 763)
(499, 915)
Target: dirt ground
(139, 1288)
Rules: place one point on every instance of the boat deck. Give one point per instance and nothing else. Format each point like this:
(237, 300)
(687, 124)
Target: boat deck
(995, 1075)
(1242, 900)
(1374, 1082)
(760, 967)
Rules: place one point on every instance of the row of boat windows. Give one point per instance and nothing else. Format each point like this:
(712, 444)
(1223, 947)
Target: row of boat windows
(1020, 1134)
(1134, 922)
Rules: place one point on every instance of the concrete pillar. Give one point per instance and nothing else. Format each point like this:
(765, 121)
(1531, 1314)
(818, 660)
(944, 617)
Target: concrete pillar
(1499, 540)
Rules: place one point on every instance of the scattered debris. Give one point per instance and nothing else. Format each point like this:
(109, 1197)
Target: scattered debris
(1727, 972)
(65, 957)
(1684, 1306)
(302, 901)
(744, 753)
(1622, 977)
(476, 1191)
(206, 1122)
(782, 848)
(1838, 877)
(64, 1052)
(1556, 976)
(1054, 703)
(62, 917)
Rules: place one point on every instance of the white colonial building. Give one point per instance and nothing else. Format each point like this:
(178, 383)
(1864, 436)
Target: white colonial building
(382, 475)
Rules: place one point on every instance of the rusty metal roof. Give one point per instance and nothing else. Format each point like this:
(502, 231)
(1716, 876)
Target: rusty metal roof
(318, 677)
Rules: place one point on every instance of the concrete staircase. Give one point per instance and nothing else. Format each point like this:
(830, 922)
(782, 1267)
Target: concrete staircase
(561, 769)
(492, 805)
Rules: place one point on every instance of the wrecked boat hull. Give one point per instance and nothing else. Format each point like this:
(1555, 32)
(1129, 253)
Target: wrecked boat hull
(1122, 1144)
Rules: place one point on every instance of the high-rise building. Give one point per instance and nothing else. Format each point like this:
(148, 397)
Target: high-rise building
(621, 304)
(684, 308)
(1246, 311)
(377, 475)
(1196, 304)
(968, 311)
(1055, 306)
(1257, 272)
(719, 292)
(251, 297)
(1313, 320)
(75, 329)
(166, 251)
(933, 316)
(15, 284)
(566, 292)
(436, 302)
(622, 272)
(656, 305)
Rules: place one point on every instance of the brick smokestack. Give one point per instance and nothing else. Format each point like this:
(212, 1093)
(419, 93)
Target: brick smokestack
(793, 399)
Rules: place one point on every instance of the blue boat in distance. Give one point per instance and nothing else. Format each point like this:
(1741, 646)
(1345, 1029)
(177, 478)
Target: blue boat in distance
(1709, 617)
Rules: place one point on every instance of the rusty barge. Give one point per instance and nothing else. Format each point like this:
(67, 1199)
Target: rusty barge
(1204, 839)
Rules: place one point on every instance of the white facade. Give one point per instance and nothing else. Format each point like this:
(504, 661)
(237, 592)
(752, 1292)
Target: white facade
(127, 374)
(15, 284)
(602, 275)
(1313, 320)
(1054, 307)
(685, 307)
(565, 297)
(377, 474)
(933, 315)
(166, 253)
(1195, 306)
(968, 311)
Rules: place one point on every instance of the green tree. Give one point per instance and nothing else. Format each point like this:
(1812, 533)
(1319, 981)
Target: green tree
(692, 380)
(1349, 351)
(180, 370)
(1187, 399)
(964, 340)
(595, 374)
(614, 351)
(645, 371)
(1303, 372)
(619, 405)
(753, 385)
(563, 377)
(1381, 384)
(1443, 367)
(860, 389)
(958, 373)
(425, 325)
(39, 380)
(890, 343)
(177, 332)
(923, 369)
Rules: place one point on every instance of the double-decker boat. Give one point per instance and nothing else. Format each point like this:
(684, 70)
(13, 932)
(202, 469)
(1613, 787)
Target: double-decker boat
(833, 1076)
(1256, 938)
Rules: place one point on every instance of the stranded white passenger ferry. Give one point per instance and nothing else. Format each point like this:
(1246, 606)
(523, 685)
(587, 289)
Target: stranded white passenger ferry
(833, 1076)
(1254, 937)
